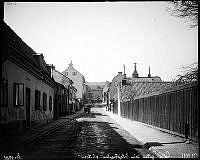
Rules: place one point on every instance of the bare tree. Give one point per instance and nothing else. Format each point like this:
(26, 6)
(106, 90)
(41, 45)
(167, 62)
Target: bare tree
(189, 74)
(185, 9)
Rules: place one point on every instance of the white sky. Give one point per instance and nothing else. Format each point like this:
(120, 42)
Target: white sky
(99, 37)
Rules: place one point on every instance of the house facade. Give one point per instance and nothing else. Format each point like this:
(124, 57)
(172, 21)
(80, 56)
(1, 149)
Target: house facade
(66, 89)
(61, 101)
(78, 81)
(27, 88)
(113, 85)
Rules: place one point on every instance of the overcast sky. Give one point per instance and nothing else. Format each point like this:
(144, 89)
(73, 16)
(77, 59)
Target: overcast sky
(100, 37)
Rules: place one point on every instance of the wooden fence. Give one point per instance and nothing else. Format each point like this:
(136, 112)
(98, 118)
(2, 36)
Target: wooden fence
(175, 110)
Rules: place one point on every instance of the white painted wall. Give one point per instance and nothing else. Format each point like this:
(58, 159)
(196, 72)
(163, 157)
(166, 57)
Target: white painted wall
(15, 74)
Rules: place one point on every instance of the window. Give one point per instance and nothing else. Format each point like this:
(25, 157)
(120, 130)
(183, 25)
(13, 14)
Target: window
(44, 101)
(50, 103)
(37, 100)
(74, 73)
(18, 94)
(4, 93)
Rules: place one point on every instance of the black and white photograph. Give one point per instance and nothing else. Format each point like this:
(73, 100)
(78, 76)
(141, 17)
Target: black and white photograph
(99, 80)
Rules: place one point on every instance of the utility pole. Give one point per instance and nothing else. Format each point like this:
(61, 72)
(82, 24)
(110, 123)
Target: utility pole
(118, 96)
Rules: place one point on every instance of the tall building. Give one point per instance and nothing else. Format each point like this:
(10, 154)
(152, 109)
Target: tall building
(78, 80)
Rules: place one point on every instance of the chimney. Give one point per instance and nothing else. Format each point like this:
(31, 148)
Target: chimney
(135, 74)
(149, 75)
(124, 72)
(119, 72)
(50, 69)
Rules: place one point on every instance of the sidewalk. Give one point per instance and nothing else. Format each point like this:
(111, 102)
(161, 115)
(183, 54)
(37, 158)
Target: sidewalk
(164, 145)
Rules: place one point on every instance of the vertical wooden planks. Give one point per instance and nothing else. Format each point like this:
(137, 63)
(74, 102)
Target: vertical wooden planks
(170, 110)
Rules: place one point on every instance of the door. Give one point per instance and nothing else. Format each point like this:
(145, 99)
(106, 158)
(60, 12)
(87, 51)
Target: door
(28, 98)
(55, 108)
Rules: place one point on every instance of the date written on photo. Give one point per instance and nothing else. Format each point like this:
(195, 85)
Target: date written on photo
(189, 155)
(12, 157)
(11, 3)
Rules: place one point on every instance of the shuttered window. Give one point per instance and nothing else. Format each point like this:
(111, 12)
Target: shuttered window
(18, 94)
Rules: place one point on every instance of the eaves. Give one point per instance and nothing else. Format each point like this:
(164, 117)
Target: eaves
(27, 66)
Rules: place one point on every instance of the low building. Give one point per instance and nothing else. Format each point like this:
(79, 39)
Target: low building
(113, 85)
(72, 99)
(94, 91)
(62, 106)
(61, 101)
(125, 88)
(117, 80)
(27, 88)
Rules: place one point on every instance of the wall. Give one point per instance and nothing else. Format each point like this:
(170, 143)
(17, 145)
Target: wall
(77, 81)
(13, 73)
(113, 88)
(170, 110)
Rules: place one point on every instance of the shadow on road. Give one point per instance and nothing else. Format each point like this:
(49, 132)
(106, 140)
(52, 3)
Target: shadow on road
(101, 139)
(88, 134)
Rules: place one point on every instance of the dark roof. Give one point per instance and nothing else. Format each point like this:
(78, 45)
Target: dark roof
(58, 76)
(145, 79)
(145, 88)
(15, 47)
(13, 40)
(141, 89)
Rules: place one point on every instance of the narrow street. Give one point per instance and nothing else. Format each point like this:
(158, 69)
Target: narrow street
(90, 135)
(114, 80)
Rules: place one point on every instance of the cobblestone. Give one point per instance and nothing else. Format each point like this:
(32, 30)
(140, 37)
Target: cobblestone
(92, 135)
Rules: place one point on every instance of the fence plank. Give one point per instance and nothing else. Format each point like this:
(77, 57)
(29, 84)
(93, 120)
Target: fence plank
(170, 110)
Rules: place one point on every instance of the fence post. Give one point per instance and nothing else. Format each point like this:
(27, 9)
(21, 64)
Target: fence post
(186, 130)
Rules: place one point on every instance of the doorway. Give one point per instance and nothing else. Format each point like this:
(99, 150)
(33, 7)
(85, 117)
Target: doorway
(28, 98)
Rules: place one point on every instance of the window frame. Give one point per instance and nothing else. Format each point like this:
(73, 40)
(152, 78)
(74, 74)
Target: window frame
(17, 97)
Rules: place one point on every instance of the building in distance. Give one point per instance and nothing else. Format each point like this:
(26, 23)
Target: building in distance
(78, 80)
(94, 91)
